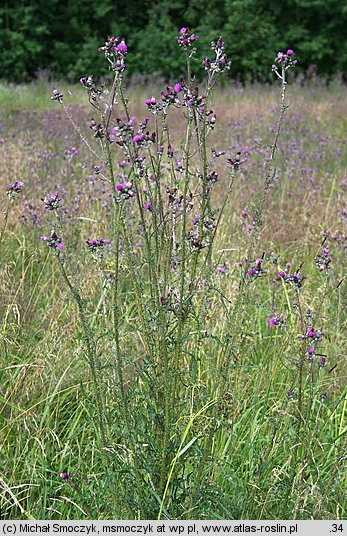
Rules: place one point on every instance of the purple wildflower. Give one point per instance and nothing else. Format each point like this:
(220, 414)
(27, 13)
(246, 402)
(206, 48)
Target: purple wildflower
(186, 38)
(296, 278)
(53, 241)
(276, 321)
(14, 189)
(323, 260)
(150, 101)
(256, 270)
(96, 246)
(52, 201)
(122, 48)
(115, 52)
(220, 63)
(237, 161)
(322, 362)
(126, 189)
(137, 138)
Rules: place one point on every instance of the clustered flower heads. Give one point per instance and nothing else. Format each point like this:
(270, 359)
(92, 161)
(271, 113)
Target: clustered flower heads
(220, 63)
(115, 52)
(256, 270)
(323, 260)
(71, 152)
(313, 338)
(14, 189)
(185, 38)
(94, 91)
(97, 245)
(277, 321)
(52, 201)
(124, 134)
(285, 60)
(176, 198)
(168, 97)
(295, 278)
(192, 99)
(126, 189)
(53, 241)
(237, 161)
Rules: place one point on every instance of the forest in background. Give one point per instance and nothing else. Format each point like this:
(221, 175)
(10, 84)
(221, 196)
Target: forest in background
(60, 38)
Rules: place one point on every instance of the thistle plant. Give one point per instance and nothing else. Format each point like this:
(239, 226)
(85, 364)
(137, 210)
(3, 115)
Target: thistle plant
(13, 191)
(162, 382)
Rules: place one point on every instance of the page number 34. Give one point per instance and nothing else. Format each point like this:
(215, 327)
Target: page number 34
(336, 528)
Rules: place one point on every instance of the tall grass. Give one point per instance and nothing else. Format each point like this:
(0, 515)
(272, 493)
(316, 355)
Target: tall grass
(185, 362)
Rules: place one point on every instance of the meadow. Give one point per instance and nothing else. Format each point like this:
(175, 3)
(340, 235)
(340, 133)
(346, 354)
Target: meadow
(160, 364)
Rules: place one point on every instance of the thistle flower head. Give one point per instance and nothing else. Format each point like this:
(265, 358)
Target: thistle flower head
(185, 39)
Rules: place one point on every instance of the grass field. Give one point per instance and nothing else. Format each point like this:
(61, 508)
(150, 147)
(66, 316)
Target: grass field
(250, 405)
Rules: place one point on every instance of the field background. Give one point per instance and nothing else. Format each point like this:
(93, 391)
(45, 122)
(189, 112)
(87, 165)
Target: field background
(46, 414)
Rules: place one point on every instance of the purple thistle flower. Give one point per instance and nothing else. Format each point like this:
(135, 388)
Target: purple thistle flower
(290, 52)
(96, 246)
(126, 189)
(186, 38)
(150, 101)
(177, 87)
(137, 138)
(122, 48)
(323, 260)
(277, 321)
(53, 241)
(14, 189)
(52, 201)
(250, 272)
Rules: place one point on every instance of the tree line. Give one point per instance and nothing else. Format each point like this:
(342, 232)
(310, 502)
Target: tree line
(62, 37)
